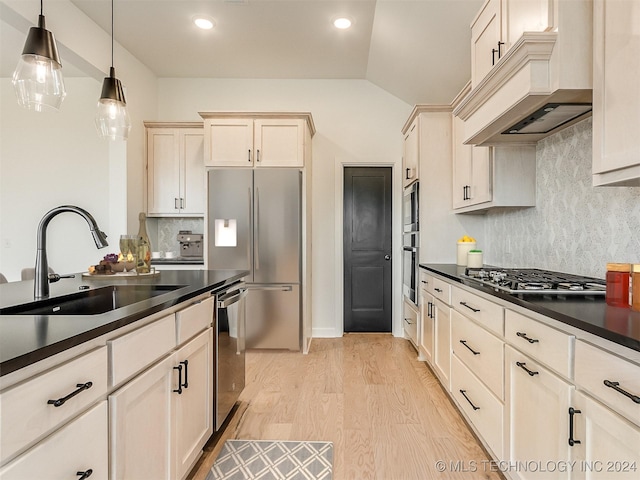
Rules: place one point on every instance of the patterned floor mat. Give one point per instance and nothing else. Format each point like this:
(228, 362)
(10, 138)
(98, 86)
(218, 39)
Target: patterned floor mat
(271, 460)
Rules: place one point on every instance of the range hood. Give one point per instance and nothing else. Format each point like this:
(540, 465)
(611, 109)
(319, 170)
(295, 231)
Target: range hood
(539, 86)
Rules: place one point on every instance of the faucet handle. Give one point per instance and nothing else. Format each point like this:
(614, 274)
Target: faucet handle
(54, 277)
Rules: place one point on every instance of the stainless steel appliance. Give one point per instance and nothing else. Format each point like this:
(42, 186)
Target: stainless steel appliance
(410, 243)
(410, 208)
(190, 243)
(229, 354)
(254, 223)
(534, 281)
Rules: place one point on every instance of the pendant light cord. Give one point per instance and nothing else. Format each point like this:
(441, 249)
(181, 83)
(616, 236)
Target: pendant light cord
(111, 33)
(41, 6)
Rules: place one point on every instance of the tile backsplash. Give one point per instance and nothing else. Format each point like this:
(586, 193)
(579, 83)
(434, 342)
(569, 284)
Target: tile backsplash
(575, 227)
(167, 232)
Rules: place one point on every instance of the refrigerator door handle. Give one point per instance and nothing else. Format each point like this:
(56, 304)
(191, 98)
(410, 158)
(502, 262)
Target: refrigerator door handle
(257, 230)
(279, 288)
(250, 221)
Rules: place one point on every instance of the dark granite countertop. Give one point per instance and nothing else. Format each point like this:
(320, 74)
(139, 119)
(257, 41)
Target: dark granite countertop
(26, 339)
(588, 313)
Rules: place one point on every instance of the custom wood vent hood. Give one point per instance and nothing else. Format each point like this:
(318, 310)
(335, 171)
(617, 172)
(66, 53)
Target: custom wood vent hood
(542, 84)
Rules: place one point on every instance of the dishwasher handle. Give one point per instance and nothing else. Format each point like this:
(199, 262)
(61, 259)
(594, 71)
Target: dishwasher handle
(227, 300)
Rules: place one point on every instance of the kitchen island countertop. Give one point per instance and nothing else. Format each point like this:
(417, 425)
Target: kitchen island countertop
(588, 313)
(26, 339)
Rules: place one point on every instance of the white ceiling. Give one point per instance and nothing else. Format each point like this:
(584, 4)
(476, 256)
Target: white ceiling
(417, 50)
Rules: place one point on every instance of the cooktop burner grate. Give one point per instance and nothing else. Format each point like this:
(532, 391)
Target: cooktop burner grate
(531, 280)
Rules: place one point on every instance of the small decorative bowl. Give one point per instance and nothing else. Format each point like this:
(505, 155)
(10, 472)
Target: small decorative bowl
(129, 266)
(118, 267)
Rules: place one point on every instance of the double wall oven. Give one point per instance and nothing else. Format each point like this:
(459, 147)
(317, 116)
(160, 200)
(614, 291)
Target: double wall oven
(410, 243)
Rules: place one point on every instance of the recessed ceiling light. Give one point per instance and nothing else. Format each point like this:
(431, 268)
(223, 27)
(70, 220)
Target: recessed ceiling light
(204, 22)
(342, 23)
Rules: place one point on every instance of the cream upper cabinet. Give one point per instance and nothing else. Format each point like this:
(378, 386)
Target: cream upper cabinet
(499, 24)
(256, 140)
(175, 169)
(410, 153)
(616, 93)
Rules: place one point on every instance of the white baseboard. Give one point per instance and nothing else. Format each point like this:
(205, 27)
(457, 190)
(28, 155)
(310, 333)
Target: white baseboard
(326, 332)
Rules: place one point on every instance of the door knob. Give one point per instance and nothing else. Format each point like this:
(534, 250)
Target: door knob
(387, 257)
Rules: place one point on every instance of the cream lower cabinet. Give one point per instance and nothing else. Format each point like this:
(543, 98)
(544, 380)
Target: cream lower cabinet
(442, 341)
(603, 444)
(427, 320)
(537, 404)
(77, 449)
(162, 418)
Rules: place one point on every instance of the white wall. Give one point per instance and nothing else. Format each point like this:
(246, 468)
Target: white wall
(356, 123)
(73, 164)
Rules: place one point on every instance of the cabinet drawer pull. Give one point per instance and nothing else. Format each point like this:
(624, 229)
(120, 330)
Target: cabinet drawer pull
(186, 373)
(524, 335)
(615, 386)
(80, 388)
(464, 342)
(522, 366)
(85, 474)
(572, 441)
(179, 389)
(464, 394)
(474, 310)
(438, 290)
(424, 281)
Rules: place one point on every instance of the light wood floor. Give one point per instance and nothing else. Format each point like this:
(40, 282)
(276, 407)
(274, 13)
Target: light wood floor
(384, 411)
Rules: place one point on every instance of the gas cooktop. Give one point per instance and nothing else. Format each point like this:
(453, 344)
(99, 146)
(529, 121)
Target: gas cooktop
(534, 281)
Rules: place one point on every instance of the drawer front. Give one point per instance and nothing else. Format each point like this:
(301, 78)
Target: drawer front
(425, 281)
(484, 410)
(595, 366)
(77, 447)
(440, 289)
(194, 319)
(486, 313)
(541, 342)
(132, 352)
(410, 323)
(480, 351)
(26, 415)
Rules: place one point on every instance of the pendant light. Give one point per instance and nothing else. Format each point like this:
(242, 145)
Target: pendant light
(112, 118)
(37, 79)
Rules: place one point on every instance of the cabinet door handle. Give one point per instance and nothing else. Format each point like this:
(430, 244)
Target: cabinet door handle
(85, 474)
(474, 310)
(464, 394)
(407, 320)
(615, 386)
(179, 389)
(182, 203)
(572, 441)
(407, 170)
(258, 155)
(522, 366)
(429, 306)
(524, 335)
(500, 50)
(464, 342)
(186, 373)
(249, 156)
(175, 203)
(81, 387)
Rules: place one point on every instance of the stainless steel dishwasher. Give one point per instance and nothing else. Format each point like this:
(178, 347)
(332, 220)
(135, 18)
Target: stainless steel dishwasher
(230, 350)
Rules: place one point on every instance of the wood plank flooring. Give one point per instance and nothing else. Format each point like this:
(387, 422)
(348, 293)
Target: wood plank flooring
(384, 411)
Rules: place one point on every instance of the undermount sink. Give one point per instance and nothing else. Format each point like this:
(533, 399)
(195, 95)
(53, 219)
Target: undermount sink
(91, 302)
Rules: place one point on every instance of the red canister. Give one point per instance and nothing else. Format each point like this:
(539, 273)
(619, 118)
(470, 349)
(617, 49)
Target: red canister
(618, 284)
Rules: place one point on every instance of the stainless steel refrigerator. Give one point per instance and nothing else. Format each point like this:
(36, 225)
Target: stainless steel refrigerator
(254, 223)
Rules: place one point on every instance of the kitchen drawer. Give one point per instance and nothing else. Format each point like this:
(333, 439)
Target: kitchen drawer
(132, 352)
(484, 410)
(440, 289)
(480, 351)
(595, 366)
(425, 280)
(546, 344)
(26, 413)
(410, 323)
(194, 319)
(485, 312)
(77, 447)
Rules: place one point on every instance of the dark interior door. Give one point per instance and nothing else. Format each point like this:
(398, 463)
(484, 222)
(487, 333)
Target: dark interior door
(367, 249)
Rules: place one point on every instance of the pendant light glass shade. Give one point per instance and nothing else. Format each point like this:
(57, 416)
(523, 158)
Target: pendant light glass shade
(37, 80)
(112, 118)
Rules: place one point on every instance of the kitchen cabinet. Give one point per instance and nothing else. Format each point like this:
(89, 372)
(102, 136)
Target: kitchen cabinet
(175, 169)
(603, 444)
(256, 140)
(537, 403)
(410, 322)
(491, 177)
(427, 320)
(616, 93)
(442, 340)
(80, 446)
(410, 155)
